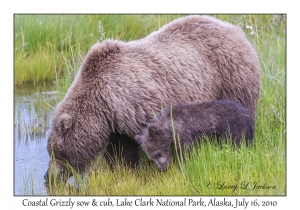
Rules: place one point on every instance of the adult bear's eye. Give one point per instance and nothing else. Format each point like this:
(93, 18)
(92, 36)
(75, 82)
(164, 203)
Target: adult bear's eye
(157, 155)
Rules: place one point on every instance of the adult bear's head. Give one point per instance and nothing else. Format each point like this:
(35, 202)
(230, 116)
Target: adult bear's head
(75, 138)
(82, 121)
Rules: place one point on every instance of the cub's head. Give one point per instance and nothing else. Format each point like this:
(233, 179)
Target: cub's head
(157, 144)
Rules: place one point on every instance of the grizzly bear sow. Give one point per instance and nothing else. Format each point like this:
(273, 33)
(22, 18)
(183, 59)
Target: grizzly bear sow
(120, 86)
(221, 119)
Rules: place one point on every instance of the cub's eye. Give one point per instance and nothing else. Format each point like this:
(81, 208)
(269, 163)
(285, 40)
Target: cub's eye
(157, 155)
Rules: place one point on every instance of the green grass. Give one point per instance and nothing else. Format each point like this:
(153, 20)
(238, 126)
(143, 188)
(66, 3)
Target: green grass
(211, 169)
(41, 41)
(209, 165)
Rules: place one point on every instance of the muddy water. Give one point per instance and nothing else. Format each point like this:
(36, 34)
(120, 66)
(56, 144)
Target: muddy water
(33, 108)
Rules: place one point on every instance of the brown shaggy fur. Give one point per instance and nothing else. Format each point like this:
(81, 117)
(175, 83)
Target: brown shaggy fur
(221, 119)
(121, 85)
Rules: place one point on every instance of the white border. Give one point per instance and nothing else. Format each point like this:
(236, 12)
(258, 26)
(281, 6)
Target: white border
(8, 201)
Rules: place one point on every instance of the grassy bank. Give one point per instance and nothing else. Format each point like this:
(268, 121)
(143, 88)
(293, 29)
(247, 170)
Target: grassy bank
(43, 42)
(210, 167)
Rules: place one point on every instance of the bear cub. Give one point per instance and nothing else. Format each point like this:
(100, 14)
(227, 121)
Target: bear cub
(219, 118)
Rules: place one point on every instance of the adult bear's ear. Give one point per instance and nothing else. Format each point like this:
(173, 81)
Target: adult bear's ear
(64, 123)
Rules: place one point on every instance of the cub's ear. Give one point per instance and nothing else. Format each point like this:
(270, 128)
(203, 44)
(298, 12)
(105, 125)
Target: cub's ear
(64, 123)
(153, 132)
(139, 139)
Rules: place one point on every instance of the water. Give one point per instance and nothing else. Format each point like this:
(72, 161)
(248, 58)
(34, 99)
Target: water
(33, 108)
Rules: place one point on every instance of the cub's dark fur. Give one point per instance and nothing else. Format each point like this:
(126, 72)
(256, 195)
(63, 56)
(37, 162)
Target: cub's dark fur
(221, 119)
